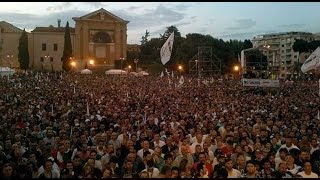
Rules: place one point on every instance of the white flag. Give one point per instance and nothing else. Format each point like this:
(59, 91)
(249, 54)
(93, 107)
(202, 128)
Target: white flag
(161, 75)
(181, 81)
(313, 61)
(88, 109)
(166, 50)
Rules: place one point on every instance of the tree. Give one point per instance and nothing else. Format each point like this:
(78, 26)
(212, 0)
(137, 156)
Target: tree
(23, 55)
(144, 39)
(67, 50)
(300, 46)
(247, 44)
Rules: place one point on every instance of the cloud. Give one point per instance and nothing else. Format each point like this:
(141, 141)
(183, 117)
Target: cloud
(94, 4)
(161, 16)
(59, 7)
(30, 21)
(193, 17)
(243, 24)
(244, 35)
(292, 26)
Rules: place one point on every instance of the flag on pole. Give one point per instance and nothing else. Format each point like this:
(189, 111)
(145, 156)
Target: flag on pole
(88, 109)
(313, 61)
(166, 49)
(319, 87)
(161, 75)
(181, 81)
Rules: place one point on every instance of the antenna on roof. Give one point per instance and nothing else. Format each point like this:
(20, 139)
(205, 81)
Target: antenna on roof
(59, 22)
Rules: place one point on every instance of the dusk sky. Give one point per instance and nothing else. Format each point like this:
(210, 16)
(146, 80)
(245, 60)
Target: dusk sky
(226, 20)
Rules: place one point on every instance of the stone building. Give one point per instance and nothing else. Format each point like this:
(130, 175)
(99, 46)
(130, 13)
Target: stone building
(100, 36)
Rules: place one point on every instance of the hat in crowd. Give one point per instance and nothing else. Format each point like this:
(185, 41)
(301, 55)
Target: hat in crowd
(51, 158)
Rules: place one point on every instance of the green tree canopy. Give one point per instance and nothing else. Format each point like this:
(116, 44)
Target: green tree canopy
(23, 55)
(67, 50)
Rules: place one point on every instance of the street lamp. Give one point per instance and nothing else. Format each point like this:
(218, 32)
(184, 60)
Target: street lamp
(180, 68)
(197, 68)
(121, 59)
(236, 68)
(129, 68)
(91, 62)
(136, 61)
(10, 57)
(73, 64)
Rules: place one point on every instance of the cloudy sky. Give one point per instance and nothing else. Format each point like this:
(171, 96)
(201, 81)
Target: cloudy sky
(226, 20)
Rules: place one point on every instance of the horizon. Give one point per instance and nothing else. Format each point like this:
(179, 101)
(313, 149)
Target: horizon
(221, 20)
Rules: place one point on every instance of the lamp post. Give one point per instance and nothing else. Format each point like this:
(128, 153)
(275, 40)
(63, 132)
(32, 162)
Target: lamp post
(197, 69)
(236, 69)
(136, 62)
(129, 68)
(46, 58)
(73, 64)
(91, 62)
(180, 68)
(10, 57)
(121, 59)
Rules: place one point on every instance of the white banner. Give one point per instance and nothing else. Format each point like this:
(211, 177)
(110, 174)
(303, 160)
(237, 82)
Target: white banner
(260, 83)
(313, 61)
(166, 50)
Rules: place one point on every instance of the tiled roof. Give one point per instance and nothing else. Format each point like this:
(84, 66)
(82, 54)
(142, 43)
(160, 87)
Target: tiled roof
(52, 29)
(7, 27)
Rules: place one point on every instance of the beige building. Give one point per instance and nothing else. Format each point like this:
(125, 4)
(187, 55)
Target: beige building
(99, 36)
(278, 48)
(9, 42)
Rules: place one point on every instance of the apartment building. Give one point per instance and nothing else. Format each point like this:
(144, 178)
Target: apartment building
(278, 48)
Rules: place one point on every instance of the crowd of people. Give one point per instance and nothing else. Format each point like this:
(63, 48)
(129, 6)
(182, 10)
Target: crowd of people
(98, 126)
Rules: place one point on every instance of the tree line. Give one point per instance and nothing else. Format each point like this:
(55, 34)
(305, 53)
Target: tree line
(186, 49)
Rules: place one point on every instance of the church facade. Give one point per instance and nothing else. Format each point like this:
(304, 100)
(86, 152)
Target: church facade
(99, 36)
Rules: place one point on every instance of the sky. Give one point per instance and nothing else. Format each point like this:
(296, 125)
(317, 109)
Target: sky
(225, 20)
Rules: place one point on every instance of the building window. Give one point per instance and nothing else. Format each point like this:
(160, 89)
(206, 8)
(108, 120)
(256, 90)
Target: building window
(282, 45)
(282, 51)
(51, 59)
(44, 47)
(55, 47)
(295, 56)
(41, 59)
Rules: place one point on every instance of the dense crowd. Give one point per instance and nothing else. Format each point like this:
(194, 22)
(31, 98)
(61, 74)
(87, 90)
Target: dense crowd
(98, 126)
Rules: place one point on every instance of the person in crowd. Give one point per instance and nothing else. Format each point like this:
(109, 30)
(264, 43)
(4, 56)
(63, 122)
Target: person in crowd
(46, 118)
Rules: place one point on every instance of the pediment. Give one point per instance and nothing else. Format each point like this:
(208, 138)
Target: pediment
(102, 15)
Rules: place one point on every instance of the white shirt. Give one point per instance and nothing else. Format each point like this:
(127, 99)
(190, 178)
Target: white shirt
(304, 175)
(160, 144)
(277, 161)
(155, 172)
(193, 146)
(234, 173)
(140, 152)
(288, 148)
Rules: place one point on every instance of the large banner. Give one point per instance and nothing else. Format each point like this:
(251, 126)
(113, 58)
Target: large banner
(313, 61)
(260, 83)
(166, 50)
